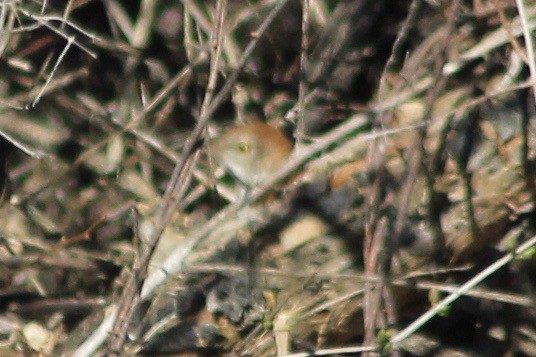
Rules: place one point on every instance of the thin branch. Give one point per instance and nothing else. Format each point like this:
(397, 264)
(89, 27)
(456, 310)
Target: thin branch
(336, 351)
(300, 132)
(528, 42)
(525, 122)
(397, 46)
(470, 284)
(144, 25)
(101, 333)
(43, 20)
(70, 41)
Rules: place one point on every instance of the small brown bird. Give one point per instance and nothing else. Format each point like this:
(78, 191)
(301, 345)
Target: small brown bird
(252, 152)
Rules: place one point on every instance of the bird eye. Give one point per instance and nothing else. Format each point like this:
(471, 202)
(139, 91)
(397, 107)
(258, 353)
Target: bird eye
(244, 147)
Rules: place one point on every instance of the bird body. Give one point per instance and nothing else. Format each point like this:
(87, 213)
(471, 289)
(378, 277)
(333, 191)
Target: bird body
(252, 152)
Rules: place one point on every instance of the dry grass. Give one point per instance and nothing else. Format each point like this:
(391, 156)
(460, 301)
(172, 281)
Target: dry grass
(403, 222)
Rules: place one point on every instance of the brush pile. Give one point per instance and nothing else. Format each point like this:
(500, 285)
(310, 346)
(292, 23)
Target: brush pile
(403, 222)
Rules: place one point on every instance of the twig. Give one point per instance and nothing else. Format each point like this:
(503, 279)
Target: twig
(465, 177)
(528, 170)
(397, 46)
(507, 298)
(144, 25)
(66, 12)
(120, 19)
(43, 20)
(508, 27)
(63, 20)
(300, 132)
(470, 284)
(408, 280)
(70, 41)
(56, 84)
(65, 305)
(336, 351)
(7, 22)
(525, 122)
(34, 153)
(101, 333)
(528, 42)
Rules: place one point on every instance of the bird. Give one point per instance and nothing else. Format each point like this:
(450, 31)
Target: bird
(252, 152)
